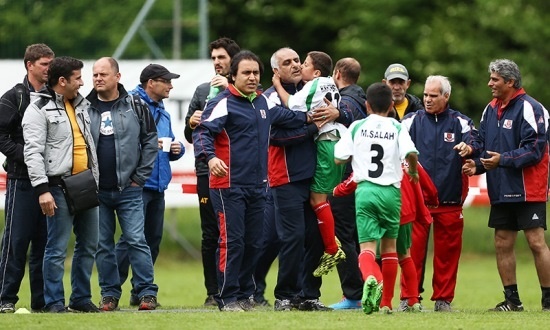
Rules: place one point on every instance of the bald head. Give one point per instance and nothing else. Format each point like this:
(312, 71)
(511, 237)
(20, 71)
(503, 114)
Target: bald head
(106, 78)
(346, 72)
(286, 63)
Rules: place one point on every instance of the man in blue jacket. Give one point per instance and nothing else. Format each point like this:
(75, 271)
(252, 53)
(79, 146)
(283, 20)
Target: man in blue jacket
(292, 161)
(221, 52)
(233, 138)
(127, 146)
(156, 83)
(513, 140)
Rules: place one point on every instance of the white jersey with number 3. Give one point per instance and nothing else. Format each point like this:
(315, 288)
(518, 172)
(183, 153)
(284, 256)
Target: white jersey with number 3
(378, 145)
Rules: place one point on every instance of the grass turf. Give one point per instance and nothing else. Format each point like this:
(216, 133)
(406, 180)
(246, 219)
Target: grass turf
(182, 294)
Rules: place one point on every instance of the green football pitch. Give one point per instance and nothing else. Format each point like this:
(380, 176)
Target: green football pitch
(181, 293)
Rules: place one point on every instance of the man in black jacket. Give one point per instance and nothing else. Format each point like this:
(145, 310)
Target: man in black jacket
(24, 221)
(221, 51)
(346, 74)
(397, 78)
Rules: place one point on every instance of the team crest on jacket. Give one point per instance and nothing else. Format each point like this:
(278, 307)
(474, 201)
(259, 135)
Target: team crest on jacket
(262, 113)
(449, 137)
(507, 123)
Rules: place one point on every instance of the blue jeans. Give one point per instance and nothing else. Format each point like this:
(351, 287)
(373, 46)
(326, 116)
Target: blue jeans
(153, 208)
(85, 227)
(128, 205)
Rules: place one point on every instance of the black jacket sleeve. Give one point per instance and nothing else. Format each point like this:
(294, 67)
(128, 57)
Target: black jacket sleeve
(197, 103)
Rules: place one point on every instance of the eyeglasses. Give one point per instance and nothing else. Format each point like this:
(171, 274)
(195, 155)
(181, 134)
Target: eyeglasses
(163, 80)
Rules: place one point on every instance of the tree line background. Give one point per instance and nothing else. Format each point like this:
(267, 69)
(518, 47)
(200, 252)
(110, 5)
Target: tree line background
(457, 39)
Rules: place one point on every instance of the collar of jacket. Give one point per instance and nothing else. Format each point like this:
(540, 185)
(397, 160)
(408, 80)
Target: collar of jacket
(145, 97)
(59, 99)
(292, 88)
(439, 115)
(234, 91)
(519, 92)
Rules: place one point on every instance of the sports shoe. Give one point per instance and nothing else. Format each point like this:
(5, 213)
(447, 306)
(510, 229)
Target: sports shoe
(148, 303)
(507, 306)
(313, 305)
(247, 304)
(403, 305)
(210, 302)
(55, 308)
(346, 303)
(108, 304)
(261, 302)
(282, 305)
(87, 307)
(442, 306)
(545, 301)
(233, 306)
(7, 308)
(416, 308)
(385, 310)
(372, 294)
(134, 300)
(328, 261)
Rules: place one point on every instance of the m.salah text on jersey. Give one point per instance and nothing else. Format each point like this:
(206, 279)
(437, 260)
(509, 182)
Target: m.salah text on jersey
(378, 134)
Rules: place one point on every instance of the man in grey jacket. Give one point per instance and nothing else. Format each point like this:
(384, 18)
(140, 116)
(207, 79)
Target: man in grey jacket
(127, 146)
(58, 143)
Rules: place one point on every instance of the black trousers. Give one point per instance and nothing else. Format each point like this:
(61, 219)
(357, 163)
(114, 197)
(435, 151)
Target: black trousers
(25, 226)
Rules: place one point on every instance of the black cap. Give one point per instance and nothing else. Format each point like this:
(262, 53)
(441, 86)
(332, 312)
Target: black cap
(153, 71)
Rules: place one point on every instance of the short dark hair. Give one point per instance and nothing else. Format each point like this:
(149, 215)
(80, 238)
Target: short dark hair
(322, 62)
(379, 97)
(230, 46)
(35, 52)
(62, 66)
(349, 68)
(244, 55)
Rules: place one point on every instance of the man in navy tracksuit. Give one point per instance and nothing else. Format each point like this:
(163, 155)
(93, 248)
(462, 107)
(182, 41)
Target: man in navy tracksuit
(233, 138)
(513, 137)
(292, 161)
(435, 132)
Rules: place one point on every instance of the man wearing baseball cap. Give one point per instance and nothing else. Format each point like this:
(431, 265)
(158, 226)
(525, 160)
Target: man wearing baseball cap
(397, 78)
(156, 83)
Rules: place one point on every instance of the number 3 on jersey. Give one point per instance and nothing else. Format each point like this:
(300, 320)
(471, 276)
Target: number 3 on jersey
(377, 160)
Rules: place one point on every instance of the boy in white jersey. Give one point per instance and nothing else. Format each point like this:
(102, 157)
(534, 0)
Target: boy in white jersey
(320, 86)
(376, 146)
